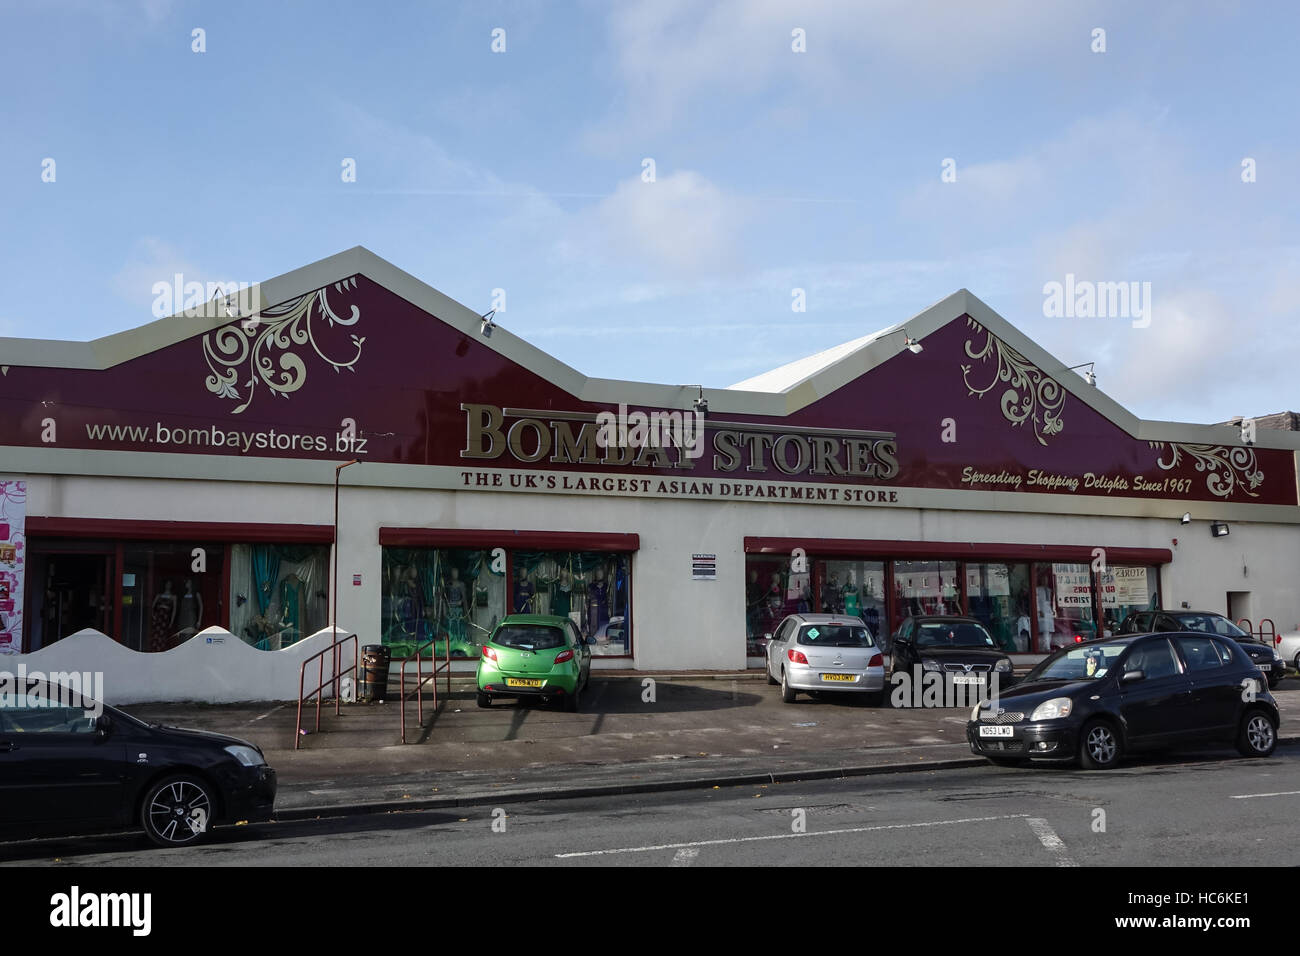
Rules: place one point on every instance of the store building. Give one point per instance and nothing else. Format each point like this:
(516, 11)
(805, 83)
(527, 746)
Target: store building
(181, 475)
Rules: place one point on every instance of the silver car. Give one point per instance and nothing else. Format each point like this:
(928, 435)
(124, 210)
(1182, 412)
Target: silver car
(825, 652)
(1288, 648)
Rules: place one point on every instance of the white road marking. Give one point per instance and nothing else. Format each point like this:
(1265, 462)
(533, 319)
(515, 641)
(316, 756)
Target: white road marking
(789, 836)
(1047, 836)
(685, 856)
(267, 714)
(1252, 796)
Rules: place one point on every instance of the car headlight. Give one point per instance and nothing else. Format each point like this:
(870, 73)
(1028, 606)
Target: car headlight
(1003, 666)
(975, 713)
(246, 755)
(1052, 709)
(930, 666)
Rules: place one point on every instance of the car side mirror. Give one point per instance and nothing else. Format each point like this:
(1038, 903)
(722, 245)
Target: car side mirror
(1130, 676)
(767, 637)
(103, 725)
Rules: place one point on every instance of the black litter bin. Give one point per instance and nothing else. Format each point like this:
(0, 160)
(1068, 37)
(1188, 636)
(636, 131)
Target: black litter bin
(374, 672)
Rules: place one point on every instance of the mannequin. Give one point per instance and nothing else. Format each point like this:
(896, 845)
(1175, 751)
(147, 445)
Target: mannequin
(292, 593)
(598, 604)
(524, 591)
(457, 611)
(162, 621)
(562, 594)
(189, 614)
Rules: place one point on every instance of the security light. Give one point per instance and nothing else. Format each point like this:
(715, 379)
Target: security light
(1219, 530)
(486, 326)
(1187, 518)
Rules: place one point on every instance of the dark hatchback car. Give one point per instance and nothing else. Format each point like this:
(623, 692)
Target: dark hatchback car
(956, 646)
(65, 770)
(1207, 622)
(1094, 702)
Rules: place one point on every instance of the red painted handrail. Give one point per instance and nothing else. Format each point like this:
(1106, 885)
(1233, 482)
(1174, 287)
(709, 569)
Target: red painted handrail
(335, 648)
(417, 656)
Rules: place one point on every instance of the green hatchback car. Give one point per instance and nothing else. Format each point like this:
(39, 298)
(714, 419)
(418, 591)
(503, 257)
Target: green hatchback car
(534, 655)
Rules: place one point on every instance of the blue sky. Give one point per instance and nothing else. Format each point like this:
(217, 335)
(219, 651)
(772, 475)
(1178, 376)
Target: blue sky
(775, 170)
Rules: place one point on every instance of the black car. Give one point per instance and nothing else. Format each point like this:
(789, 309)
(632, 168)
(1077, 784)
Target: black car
(1096, 701)
(66, 769)
(1208, 622)
(956, 646)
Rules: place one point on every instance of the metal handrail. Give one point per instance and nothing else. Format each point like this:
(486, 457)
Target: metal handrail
(445, 666)
(418, 657)
(335, 647)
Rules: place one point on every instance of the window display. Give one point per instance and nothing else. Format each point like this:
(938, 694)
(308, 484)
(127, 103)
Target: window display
(997, 594)
(856, 588)
(1065, 605)
(772, 590)
(925, 588)
(1124, 590)
(279, 594)
(449, 596)
(591, 588)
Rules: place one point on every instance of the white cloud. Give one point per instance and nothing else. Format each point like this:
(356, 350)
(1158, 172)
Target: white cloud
(681, 223)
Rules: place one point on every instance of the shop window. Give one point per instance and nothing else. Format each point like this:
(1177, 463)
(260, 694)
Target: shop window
(165, 600)
(279, 594)
(854, 588)
(925, 588)
(1064, 605)
(452, 597)
(773, 589)
(1126, 590)
(997, 593)
(591, 588)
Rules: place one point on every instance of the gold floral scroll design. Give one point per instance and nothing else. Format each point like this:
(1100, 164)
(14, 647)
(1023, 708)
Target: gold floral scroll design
(1030, 395)
(269, 343)
(1227, 469)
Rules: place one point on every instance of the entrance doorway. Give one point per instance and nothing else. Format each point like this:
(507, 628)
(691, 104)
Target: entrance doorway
(1240, 606)
(69, 592)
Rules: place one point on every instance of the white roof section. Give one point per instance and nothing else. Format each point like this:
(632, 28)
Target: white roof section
(790, 375)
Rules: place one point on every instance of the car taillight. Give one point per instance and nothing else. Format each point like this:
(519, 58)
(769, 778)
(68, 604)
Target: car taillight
(489, 653)
(1078, 638)
(877, 660)
(796, 656)
(563, 656)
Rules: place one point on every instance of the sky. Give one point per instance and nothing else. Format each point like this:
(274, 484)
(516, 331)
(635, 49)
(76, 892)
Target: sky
(655, 185)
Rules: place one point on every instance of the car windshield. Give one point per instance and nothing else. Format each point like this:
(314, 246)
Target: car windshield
(952, 634)
(1209, 624)
(1078, 663)
(528, 637)
(835, 635)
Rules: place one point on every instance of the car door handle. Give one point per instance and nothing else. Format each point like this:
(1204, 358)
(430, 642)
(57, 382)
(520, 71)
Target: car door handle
(7, 747)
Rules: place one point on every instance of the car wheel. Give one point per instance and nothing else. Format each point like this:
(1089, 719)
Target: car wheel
(177, 811)
(1258, 734)
(788, 693)
(483, 699)
(1099, 747)
(572, 702)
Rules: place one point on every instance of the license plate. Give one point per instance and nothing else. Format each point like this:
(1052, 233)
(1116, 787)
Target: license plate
(520, 682)
(996, 731)
(1265, 667)
(968, 678)
(840, 677)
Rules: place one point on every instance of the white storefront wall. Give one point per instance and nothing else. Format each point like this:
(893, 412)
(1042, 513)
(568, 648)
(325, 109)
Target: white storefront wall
(680, 623)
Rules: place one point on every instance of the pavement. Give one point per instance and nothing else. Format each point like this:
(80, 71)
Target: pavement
(681, 732)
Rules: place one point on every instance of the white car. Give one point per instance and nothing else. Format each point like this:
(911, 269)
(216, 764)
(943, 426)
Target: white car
(1288, 648)
(825, 652)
